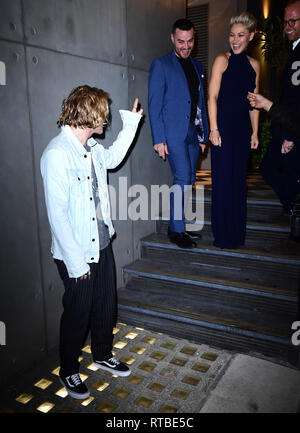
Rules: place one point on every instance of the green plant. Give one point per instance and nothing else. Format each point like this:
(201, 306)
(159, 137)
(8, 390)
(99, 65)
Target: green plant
(264, 140)
(274, 44)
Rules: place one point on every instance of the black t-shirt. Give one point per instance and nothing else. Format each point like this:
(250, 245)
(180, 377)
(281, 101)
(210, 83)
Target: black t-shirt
(193, 83)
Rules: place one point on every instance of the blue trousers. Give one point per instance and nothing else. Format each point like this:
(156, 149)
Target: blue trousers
(183, 159)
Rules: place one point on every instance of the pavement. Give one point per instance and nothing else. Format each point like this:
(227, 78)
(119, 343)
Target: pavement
(169, 376)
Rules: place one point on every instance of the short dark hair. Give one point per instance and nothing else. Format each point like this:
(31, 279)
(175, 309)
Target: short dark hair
(182, 24)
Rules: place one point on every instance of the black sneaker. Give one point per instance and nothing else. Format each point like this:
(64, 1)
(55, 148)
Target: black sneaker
(113, 366)
(75, 387)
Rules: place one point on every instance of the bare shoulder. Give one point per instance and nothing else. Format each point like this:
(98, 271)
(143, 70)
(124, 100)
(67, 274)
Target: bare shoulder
(221, 61)
(254, 63)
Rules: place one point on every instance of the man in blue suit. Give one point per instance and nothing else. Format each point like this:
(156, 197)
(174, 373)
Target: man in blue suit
(178, 119)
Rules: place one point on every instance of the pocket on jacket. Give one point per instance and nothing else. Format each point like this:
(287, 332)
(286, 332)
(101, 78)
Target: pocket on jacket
(78, 185)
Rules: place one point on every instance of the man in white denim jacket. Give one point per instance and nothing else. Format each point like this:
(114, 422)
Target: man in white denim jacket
(73, 167)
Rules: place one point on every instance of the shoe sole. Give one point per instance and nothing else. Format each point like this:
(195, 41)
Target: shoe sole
(75, 395)
(193, 245)
(195, 236)
(112, 371)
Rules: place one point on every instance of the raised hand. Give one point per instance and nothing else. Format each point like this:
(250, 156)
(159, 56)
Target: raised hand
(136, 108)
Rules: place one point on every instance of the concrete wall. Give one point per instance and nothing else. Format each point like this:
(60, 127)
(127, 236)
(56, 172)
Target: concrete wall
(220, 12)
(47, 48)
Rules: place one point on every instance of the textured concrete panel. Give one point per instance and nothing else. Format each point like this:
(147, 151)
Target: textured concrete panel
(11, 20)
(88, 28)
(64, 43)
(146, 167)
(149, 26)
(21, 303)
(51, 78)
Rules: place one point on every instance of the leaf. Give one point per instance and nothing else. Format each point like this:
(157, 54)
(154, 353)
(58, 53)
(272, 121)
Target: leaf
(274, 44)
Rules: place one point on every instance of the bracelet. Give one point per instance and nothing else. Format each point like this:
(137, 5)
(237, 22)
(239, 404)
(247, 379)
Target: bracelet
(213, 130)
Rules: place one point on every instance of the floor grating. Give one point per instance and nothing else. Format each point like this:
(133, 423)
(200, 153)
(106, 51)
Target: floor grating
(169, 375)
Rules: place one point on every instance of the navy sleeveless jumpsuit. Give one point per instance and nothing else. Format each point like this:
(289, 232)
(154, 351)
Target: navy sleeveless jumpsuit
(230, 161)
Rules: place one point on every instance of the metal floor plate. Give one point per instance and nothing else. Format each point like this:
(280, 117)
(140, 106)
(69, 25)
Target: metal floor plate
(169, 375)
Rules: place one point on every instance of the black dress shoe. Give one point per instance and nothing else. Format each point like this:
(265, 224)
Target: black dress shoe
(182, 240)
(194, 235)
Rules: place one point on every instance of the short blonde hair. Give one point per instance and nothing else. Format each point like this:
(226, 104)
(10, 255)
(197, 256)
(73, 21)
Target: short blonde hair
(247, 19)
(85, 107)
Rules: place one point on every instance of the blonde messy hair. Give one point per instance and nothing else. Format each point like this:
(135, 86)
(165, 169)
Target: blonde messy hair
(85, 107)
(247, 19)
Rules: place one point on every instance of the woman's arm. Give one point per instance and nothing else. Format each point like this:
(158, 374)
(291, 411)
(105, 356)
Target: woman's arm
(288, 119)
(219, 66)
(258, 101)
(254, 114)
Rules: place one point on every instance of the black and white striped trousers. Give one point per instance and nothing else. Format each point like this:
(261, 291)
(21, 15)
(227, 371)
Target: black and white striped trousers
(89, 305)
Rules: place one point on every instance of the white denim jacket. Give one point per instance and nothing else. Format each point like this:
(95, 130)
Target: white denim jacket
(66, 171)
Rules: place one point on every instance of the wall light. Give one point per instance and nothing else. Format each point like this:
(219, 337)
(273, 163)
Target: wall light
(266, 8)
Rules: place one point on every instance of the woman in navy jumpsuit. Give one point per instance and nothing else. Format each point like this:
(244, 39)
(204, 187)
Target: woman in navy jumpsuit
(233, 75)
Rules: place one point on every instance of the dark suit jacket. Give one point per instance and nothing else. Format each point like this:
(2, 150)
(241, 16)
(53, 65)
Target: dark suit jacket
(290, 98)
(287, 119)
(170, 102)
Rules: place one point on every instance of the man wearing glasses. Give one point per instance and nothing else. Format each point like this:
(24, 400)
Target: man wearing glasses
(281, 164)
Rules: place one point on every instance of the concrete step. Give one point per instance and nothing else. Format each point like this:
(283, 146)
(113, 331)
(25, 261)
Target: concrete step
(244, 300)
(201, 283)
(211, 323)
(259, 233)
(264, 210)
(257, 189)
(158, 248)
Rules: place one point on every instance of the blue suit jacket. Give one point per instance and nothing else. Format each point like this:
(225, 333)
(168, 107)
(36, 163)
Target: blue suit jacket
(169, 100)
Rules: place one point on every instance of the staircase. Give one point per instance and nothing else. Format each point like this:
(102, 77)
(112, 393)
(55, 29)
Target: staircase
(242, 300)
